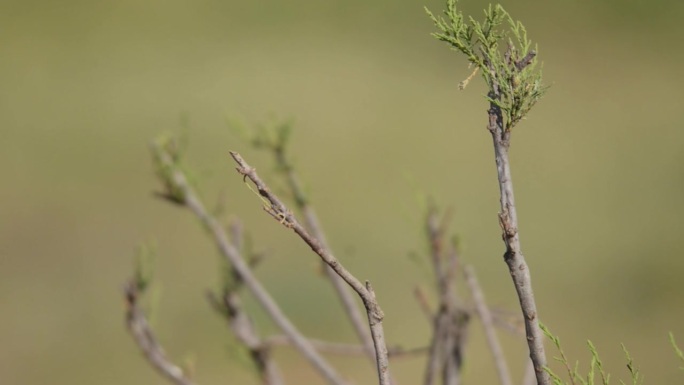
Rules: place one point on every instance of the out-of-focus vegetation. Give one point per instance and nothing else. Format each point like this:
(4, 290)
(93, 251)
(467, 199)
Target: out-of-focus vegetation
(598, 169)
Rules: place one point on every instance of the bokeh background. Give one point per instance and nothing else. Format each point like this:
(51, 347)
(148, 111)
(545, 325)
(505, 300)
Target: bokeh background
(84, 85)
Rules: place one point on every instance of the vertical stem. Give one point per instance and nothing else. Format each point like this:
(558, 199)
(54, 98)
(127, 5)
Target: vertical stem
(508, 219)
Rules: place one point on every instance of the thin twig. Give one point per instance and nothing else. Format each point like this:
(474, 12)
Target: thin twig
(279, 211)
(241, 268)
(142, 334)
(313, 226)
(490, 331)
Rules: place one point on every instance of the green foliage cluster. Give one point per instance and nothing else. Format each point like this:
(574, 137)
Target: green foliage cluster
(512, 74)
(144, 267)
(143, 272)
(270, 136)
(168, 152)
(274, 137)
(596, 366)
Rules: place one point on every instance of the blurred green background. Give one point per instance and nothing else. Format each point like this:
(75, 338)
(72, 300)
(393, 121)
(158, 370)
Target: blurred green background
(84, 85)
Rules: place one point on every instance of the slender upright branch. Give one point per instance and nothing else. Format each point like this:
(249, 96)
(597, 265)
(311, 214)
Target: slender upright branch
(508, 219)
(142, 334)
(500, 48)
(186, 194)
(280, 212)
(488, 324)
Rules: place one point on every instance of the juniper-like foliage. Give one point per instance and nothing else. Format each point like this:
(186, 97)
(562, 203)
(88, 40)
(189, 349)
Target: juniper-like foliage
(499, 48)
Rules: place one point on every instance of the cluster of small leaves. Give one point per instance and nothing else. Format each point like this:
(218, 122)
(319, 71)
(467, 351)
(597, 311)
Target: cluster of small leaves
(143, 276)
(499, 47)
(143, 272)
(173, 148)
(275, 138)
(596, 366)
(272, 137)
(637, 378)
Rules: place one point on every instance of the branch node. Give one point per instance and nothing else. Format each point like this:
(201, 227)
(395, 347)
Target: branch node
(525, 61)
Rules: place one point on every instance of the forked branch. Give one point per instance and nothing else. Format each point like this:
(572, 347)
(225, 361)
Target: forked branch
(176, 181)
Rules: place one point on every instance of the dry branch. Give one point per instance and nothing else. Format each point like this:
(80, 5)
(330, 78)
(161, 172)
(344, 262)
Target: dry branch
(508, 219)
(280, 212)
(313, 226)
(142, 334)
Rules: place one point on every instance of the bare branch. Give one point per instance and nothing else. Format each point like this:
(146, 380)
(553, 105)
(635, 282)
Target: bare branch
(378, 334)
(490, 331)
(279, 211)
(241, 268)
(144, 337)
(313, 226)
